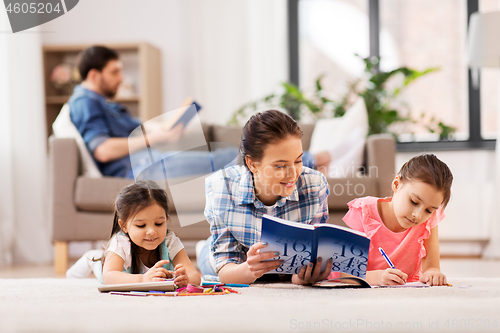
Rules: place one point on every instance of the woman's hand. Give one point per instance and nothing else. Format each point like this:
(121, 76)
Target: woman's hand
(157, 272)
(391, 276)
(181, 277)
(310, 275)
(433, 277)
(254, 260)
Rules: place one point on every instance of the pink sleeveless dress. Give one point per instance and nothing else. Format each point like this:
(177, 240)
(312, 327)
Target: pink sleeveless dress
(405, 249)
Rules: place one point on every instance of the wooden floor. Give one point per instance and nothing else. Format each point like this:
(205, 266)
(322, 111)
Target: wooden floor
(458, 268)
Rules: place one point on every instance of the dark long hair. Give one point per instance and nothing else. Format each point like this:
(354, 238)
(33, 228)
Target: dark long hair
(132, 199)
(266, 128)
(429, 169)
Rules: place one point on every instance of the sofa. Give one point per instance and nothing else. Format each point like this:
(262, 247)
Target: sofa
(81, 207)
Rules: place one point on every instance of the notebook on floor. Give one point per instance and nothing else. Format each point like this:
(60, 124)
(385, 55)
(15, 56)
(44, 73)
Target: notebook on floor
(167, 285)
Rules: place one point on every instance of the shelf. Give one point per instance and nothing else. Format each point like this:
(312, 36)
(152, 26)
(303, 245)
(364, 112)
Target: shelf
(64, 98)
(131, 99)
(142, 65)
(64, 48)
(56, 99)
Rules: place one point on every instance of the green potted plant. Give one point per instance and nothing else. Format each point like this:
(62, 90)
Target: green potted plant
(379, 100)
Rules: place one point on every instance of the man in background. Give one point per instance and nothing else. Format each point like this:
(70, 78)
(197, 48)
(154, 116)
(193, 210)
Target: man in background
(105, 126)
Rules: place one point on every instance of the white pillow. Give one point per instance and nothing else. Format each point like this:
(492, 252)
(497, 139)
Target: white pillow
(63, 127)
(344, 138)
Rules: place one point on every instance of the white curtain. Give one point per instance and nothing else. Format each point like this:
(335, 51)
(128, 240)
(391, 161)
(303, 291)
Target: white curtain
(239, 52)
(24, 227)
(492, 250)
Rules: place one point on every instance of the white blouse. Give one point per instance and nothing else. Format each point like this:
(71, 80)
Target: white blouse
(120, 245)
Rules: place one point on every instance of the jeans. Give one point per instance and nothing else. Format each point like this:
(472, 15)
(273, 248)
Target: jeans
(154, 165)
(308, 160)
(203, 260)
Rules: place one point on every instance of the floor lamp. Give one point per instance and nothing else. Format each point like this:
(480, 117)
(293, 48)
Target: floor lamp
(484, 51)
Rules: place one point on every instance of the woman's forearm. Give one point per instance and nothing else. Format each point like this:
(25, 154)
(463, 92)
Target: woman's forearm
(236, 273)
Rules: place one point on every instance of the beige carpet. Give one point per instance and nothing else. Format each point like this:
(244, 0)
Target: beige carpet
(60, 305)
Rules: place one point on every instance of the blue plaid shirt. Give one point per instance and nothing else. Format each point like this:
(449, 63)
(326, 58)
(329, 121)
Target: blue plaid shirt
(235, 213)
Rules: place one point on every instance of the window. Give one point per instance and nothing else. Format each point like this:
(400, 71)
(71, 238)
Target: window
(425, 34)
(324, 46)
(325, 34)
(490, 86)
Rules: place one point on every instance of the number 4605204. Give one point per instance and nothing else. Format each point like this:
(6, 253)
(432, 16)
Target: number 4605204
(33, 8)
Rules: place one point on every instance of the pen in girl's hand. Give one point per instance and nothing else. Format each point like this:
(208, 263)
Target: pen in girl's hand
(386, 258)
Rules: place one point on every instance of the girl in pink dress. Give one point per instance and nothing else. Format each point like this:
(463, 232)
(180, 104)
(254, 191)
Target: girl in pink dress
(405, 226)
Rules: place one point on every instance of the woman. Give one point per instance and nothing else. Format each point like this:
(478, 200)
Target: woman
(272, 181)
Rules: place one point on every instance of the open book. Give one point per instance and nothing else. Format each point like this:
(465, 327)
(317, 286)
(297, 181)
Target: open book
(184, 114)
(416, 284)
(298, 244)
(355, 282)
(343, 282)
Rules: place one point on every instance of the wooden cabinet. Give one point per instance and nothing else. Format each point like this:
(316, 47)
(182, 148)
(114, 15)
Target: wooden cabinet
(141, 70)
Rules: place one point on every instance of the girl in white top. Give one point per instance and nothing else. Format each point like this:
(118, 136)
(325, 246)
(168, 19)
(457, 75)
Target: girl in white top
(141, 249)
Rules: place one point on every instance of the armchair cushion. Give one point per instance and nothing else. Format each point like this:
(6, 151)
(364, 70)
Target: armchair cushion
(343, 190)
(98, 194)
(63, 127)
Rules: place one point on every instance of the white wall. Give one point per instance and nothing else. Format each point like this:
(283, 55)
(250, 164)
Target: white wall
(224, 53)
(24, 225)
